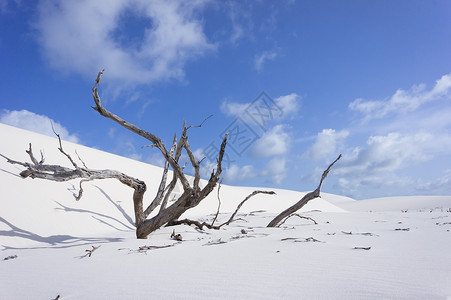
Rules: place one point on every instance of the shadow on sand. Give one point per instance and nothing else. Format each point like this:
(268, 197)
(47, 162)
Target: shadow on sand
(129, 224)
(53, 241)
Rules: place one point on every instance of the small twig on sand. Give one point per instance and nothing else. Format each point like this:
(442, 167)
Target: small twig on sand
(362, 248)
(297, 215)
(90, 251)
(10, 257)
(299, 240)
(176, 236)
(360, 233)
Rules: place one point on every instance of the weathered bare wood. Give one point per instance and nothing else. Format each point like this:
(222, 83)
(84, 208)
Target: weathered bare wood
(297, 215)
(89, 252)
(242, 202)
(156, 141)
(219, 205)
(231, 219)
(192, 194)
(309, 196)
(161, 189)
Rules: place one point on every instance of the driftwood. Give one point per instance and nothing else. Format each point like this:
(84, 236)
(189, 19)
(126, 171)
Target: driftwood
(359, 233)
(302, 240)
(192, 194)
(304, 200)
(10, 257)
(211, 226)
(89, 252)
(176, 236)
(362, 248)
(297, 215)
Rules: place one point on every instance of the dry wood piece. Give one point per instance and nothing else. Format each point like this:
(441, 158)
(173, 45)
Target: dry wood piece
(144, 248)
(215, 242)
(402, 229)
(10, 257)
(253, 213)
(91, 251)
(297, 240)
(362, 248)
(304, 200)
(176, 236)
(297, 215)
(360, 233)
(242, 202)
(231, 219)
(219, 205)
(192, 194)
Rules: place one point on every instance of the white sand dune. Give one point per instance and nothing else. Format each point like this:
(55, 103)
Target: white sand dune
(42, 224)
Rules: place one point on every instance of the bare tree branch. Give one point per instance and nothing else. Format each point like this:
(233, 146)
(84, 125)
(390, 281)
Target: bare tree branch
(219, 205)
(231, 219)
(192, 194)
(200, 125)
(79, 158)
(242, 202)
(61, 148)
(297, 215)
(304, 200)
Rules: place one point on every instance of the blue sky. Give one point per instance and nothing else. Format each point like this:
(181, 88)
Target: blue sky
(298, 82)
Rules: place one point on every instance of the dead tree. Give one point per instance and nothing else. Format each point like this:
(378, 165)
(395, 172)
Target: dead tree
(309, 196)
(192, 194)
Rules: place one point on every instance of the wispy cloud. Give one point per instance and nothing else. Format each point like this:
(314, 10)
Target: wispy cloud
(80, 37)
(37, 123)
(274, 142)
(441, 184)
(417, 135)
(262, 58)
(287, 104)
(403, 101)
(236, 173)
(327, 143)
(379, 163)
(387, 153)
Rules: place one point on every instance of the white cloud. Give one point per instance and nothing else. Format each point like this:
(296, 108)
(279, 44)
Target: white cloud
(236, 173)
(387, 185)
(237, 28)
(388, 153)
(440, 184)
(289, 103)
(327, 143)
(274, 142)
(37, 123)
(81, 36)
(241, 20)
(276, 170)
(403, 101)
(261, 58)
(233, 109)
(380, 164)
(283, 106)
